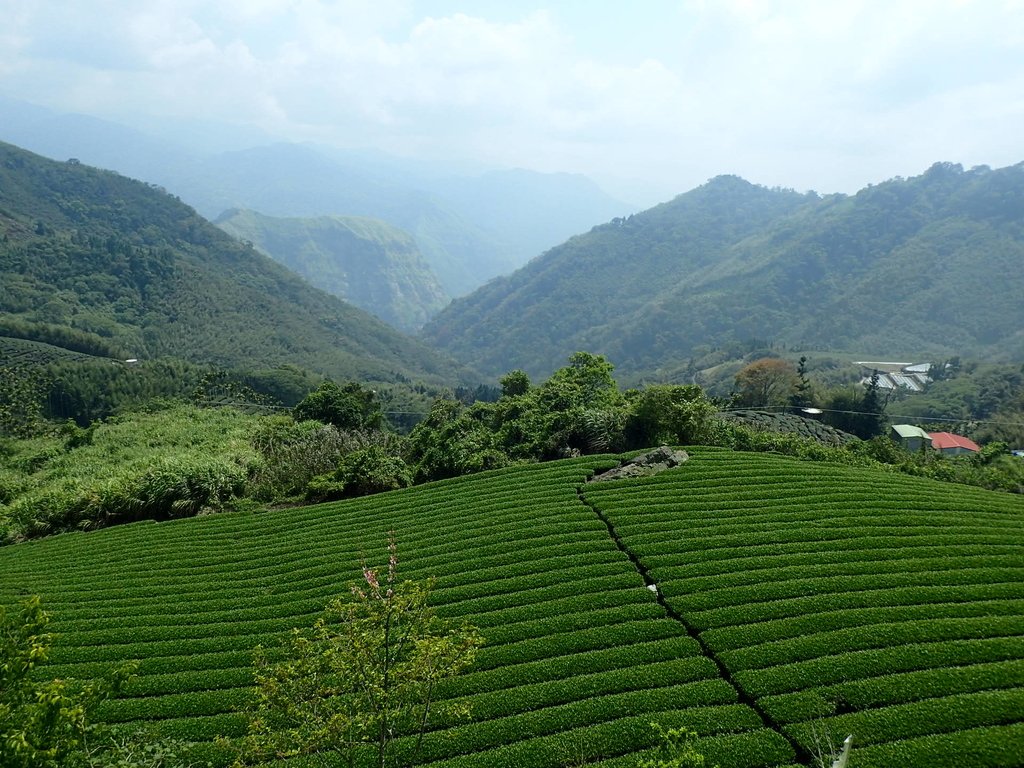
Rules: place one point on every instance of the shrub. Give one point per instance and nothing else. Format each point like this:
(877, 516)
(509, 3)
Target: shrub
(360, 473)
(346, 406)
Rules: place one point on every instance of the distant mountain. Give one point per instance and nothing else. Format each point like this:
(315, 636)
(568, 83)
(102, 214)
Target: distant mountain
(916, 267)
(530, 211)
(135, 270)
(364, 261)
(290, 180)
(96, 142)
(469, 227)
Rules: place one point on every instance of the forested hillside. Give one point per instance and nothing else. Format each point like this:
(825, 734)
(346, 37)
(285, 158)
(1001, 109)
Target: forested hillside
(123, 267)
(364, 261)
(926, 266)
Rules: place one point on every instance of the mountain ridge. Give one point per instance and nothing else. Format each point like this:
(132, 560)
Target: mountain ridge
(921, 266)
(463, 224)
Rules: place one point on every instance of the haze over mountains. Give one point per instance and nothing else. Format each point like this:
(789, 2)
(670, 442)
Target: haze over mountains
(919, 268)
(469, 227)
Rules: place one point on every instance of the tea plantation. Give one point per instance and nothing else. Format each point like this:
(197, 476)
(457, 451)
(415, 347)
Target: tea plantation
(843, 600)
(801, 597)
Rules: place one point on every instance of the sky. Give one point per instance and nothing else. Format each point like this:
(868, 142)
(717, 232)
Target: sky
(649, 99)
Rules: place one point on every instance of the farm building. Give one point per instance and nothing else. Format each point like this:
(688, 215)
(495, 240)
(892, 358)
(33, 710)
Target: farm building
(953, 445)
(892, 376)
(910, 437)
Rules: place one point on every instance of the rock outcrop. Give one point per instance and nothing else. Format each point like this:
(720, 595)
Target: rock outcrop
(644, 465)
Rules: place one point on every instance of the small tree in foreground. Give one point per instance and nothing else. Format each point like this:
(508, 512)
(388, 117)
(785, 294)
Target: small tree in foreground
(364, 675)
(677, 749)
(45, 723)
(42, 723)
(826, 752)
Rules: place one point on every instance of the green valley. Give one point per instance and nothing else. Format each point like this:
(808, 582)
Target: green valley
(366, 262)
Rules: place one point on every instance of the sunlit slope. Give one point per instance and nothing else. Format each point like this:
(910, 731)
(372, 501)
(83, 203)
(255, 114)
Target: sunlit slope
(579, 658)
(845, 600)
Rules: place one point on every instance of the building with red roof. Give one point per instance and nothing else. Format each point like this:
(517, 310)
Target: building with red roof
(951, 444)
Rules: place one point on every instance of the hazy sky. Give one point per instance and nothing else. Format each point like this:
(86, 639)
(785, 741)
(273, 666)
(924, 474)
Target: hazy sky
(649, 98)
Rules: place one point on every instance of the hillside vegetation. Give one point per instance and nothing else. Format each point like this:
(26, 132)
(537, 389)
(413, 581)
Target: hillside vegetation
(802, 595)
(141, 275)
(366, 262)
(922, 267)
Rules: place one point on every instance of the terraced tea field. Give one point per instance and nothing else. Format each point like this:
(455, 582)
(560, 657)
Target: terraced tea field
(21, 352)
(802, 595)
(845, 601)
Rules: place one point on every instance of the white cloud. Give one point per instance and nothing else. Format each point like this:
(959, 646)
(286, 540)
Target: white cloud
(829, 95)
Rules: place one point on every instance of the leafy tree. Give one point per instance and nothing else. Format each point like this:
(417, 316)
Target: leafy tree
(41, 723)
(843, 409)
(365, 674)
(454, 441)
(674, 414)
(22, 399)
(44, 723)
(768, 381)
(360, 473)
(591, 377)
(579, 409)
(514, 383)
(872, 422)
(801, 395)
(676, 749)
(346, 406)
(219, 387)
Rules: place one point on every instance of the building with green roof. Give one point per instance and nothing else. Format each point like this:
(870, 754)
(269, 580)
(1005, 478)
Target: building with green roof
(910, 437)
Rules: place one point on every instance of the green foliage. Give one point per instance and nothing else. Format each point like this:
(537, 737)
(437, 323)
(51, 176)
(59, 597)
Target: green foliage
(292, 454)
(41, 724)
(348, 406)
(669, 415)
(836, 608)
(360, 473)
(221, 388)
(514, 383)
(876, 591)
(856, 410)
(365, 674)
(22, 398)
(61, 336)
(802, 393)
(453, 441)
(48, 723)
(677, 748)
(105, 264)
(169, 463)
(142, 750)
